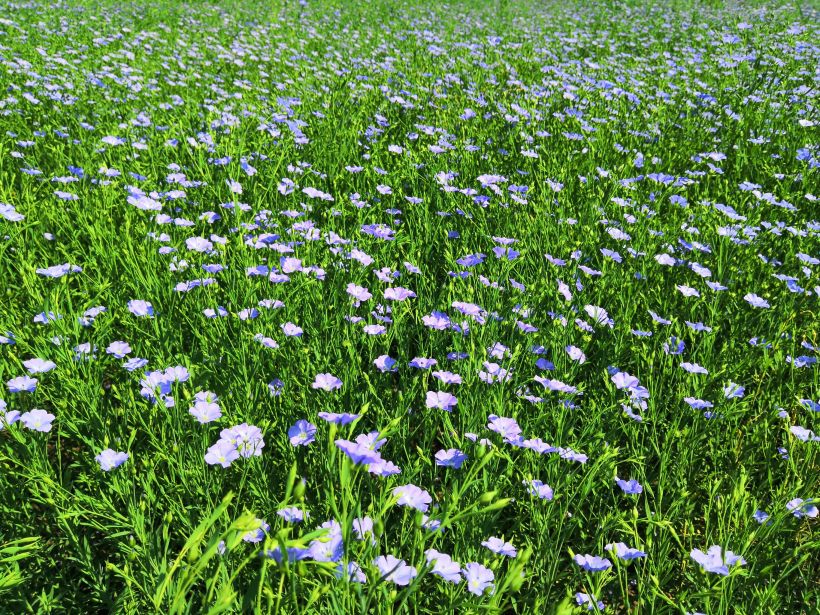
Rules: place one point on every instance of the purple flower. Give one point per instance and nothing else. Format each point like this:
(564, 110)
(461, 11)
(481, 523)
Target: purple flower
(205, 411)
(110, 459)
(798, 506)
(358, 453)
(313, 193)
(438, 321)
(40, 420)
(412, 496)
(755, 301)
(631, 486)
(674, 346)
(505, 252)
(576, 354)
(275, 387)
(343, 418)
(396, 570)
(385, 363)
(761, 516)
(198, 244)
(248, 314)
(39, 366)
(442, 400)
(383, 468)
(592, 603)
(803, 434)
(291, 514)
(715, 561)
(58, 271)
(291, 330)
(328, 548)
(447, 377)
(177, 373)
(451, 458)
(397, 293)
(536, 488)
(507, 428)
(131, 365)
(622, 380)
(423, 363)
(555, 385)
(359, 293)
(327, 382)
(443, 566)
(497, 545)
(223, 453)
(371, 440)
(694, 368)
(362, 527)
(267, 342)
(302, 433)
(138, 307)
(599, 315)
(468, 309)
(431, 525)
(623, 552)
(478, 578)
(258, 534)
(687, 291)
(22, 384)
(352, 572)
(471, 260)
(698, 404)
(592, 563)
(732, 391)
(247, 439)
(118, 349)
(219, 312)
(294, 554)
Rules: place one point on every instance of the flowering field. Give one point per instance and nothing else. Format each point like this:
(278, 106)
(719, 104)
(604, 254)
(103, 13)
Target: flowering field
(339, 307)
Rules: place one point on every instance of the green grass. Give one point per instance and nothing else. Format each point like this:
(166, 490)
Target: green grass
(304, 91)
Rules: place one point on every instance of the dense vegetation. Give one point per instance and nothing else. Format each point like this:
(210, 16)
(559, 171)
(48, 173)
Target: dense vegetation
(409, 308)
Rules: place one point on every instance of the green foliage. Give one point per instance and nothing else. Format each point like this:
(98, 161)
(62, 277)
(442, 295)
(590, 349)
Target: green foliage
(166, 532)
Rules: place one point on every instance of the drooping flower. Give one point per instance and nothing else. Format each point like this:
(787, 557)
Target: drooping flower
(592, 563)
(360, 454)
(624, 552)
